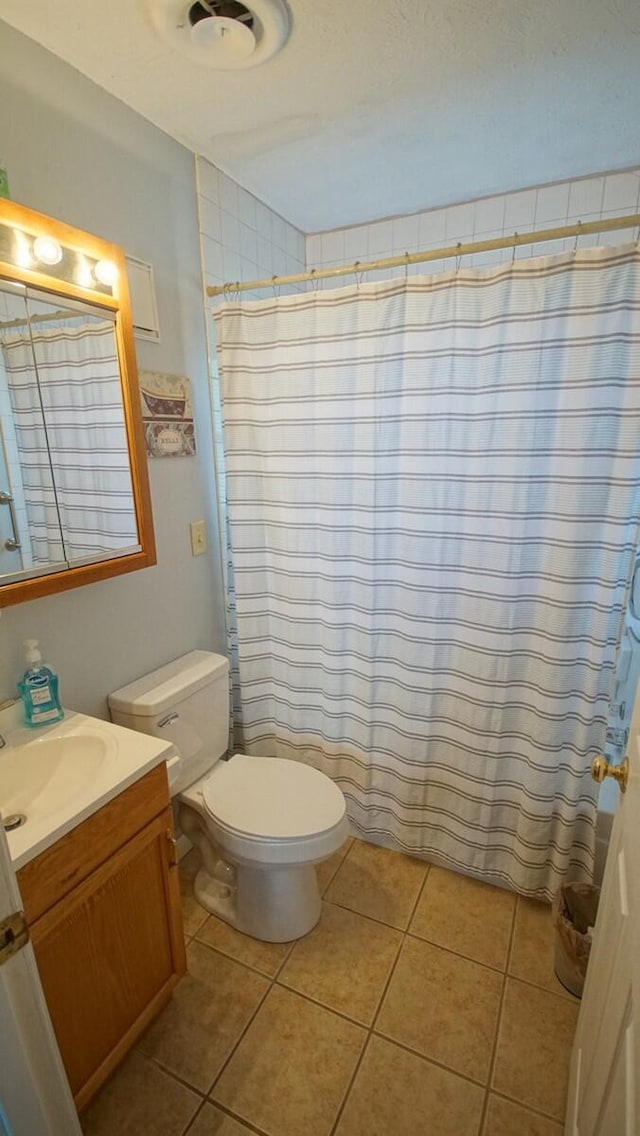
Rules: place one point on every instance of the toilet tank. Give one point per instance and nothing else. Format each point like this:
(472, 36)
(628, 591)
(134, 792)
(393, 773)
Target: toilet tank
(185, 702)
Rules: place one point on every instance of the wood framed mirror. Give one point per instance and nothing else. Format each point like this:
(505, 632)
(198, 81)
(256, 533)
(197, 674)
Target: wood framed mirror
(74, 490)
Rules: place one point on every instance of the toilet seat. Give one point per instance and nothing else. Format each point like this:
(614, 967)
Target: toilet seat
(272, 798)
(269, 810)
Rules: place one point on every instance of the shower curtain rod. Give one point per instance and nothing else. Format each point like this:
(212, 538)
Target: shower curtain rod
(61, 314)
(631, 221)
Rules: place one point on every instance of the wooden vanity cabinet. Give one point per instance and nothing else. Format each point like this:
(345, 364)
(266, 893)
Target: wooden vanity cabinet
(103, 907)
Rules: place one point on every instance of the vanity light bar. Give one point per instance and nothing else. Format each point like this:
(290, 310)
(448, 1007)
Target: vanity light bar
(28, 251)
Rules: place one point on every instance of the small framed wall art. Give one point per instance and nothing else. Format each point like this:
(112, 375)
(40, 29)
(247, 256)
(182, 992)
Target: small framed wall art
(167, 414)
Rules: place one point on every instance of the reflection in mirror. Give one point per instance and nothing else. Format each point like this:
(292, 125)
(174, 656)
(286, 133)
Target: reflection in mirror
(60, 361)
(30, 535)
(78, 376)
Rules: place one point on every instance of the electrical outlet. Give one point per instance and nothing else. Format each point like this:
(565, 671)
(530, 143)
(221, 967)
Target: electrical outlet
(198, 538)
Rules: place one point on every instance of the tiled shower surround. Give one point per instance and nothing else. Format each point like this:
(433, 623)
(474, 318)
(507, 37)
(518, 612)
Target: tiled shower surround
(242, 239)
(423, 1004)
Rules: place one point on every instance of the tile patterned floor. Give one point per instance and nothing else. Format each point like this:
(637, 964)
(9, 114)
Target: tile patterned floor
(422, 1003)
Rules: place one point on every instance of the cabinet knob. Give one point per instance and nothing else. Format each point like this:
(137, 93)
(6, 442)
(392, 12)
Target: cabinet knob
(600, 768)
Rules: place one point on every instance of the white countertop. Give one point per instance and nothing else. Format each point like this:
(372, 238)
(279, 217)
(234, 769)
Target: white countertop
(61, 774)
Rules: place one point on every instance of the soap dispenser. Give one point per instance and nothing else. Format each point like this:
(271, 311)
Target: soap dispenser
(39, 689)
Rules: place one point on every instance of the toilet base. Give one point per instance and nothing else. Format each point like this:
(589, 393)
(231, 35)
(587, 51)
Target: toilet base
(275, 905)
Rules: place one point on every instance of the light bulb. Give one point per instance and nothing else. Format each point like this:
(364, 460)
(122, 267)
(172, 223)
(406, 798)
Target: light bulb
(22, 255)
(106, 272)
(47, 250)
(84, 275)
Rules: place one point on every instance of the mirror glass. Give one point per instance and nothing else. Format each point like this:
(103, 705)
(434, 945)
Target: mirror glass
(66, 492)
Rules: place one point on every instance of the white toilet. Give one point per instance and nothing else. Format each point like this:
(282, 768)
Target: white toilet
(261, 823)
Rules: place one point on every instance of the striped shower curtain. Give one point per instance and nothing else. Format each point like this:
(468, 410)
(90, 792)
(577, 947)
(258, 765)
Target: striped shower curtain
(432, 488)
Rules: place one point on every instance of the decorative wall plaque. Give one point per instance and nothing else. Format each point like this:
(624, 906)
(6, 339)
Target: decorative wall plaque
(167, 415)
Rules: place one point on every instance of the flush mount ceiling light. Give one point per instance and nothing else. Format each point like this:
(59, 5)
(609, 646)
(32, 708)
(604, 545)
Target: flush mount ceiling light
(224, 34)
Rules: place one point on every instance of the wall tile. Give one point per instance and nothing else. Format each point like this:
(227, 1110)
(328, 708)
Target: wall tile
(314, 249)
(228, 194)
(212, 256)
(621, 193)
(552, 204)
(380, 238)
(278, 231)
(431, 228)
(333, 246)
(209, 218)
(585, 199)
(208, 181)
(520, 210)
(246, 208)
(248, 243)
(459, 222)
(489, 214)
(406, 233)
(356, 243)
(263, 220)
(229, 231)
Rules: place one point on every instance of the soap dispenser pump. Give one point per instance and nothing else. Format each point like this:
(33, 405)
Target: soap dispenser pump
(39, 689)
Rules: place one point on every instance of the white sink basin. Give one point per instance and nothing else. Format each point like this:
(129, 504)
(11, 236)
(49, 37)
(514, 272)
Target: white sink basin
(53, 777)
(49, 772)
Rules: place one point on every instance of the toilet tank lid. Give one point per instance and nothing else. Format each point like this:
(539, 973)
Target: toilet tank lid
(157, 692)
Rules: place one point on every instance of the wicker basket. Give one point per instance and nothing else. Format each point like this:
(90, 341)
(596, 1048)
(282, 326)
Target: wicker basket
(574, 914)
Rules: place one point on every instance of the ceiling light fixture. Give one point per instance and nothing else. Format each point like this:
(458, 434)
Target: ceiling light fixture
(224, 34)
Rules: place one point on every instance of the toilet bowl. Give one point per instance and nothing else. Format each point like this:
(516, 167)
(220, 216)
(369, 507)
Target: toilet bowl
(261, 824)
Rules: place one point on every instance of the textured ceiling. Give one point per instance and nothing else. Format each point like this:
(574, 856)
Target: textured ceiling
(374, 108)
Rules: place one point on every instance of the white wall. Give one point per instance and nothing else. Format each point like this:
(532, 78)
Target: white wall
(78, 154)
(585, 199)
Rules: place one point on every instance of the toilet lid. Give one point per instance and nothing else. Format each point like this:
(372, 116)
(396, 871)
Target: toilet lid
(272, 797)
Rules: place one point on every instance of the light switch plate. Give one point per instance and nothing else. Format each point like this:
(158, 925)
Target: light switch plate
(198, 537)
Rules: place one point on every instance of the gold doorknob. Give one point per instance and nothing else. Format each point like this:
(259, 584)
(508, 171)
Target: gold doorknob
(600, 768)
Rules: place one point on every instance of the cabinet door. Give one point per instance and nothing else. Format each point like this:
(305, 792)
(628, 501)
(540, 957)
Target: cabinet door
(109, 955)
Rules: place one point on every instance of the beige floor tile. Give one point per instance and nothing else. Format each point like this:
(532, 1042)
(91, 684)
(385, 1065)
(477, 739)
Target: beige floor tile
(466, 916)
(265, 957)
(193, 915)
(396, 1093)
(343, 963)
(534, 1047)
(328, 868)
(504, 1118)
(210, 1008)
(378, 882)
(211, 1122)
(533, 945)
(292, 1068)
(140, 1098)
(443, 1006)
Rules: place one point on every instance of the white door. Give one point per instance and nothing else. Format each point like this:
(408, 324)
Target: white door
(35, 1098)
(604, 1085)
